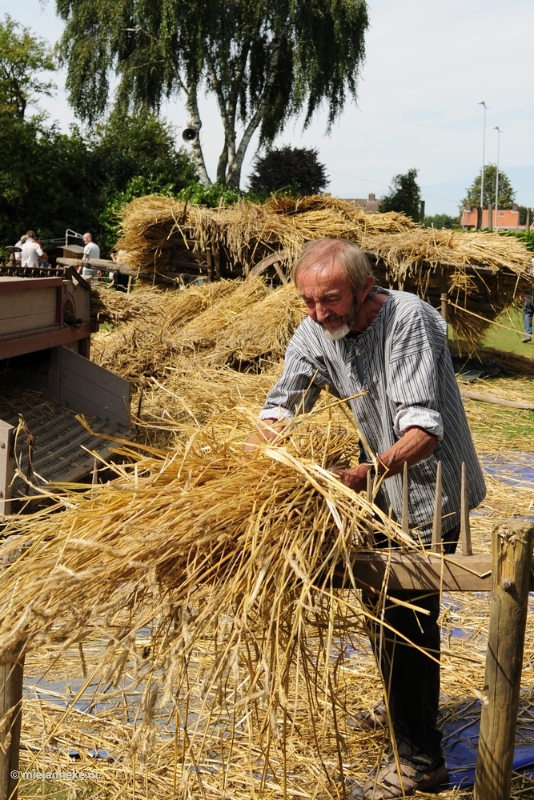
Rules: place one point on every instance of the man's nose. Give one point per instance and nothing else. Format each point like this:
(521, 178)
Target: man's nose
(320, 311)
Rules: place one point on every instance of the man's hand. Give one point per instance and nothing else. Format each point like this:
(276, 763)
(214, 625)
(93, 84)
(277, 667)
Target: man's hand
(268, 429)
(353, 477)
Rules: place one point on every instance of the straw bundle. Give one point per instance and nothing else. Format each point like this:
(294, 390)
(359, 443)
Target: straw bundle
(219, 555)
(150, 343)
(484, 273)
(242, 324)
(158, 231)
(214, 664)
(116, 307)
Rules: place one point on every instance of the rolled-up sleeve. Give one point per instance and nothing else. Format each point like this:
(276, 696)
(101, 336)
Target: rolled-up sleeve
(413, 385)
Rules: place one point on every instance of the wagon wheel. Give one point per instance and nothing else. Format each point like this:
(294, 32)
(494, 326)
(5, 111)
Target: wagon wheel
(274, 260)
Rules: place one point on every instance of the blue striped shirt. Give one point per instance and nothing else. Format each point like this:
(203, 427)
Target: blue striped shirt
(402, 363)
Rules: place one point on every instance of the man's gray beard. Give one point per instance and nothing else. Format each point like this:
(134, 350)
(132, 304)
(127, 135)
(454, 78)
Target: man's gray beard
(337, 333)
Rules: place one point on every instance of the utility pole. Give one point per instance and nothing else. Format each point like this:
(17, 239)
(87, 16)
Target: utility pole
(496, 128)
(482, 103)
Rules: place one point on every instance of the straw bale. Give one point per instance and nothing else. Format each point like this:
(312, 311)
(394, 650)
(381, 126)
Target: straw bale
(116, 307)
(413, 260)
(154, 229)
(157, 230)
(241, 324)
(151, 340)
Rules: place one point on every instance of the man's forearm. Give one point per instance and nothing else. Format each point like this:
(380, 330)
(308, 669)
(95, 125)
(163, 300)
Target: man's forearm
(416, 445)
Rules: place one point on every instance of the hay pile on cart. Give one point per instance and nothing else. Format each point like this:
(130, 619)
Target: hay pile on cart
(475, 276)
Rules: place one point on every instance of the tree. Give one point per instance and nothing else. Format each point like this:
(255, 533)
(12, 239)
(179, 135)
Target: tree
(404, 195)
(295, 169)
(124, 148)
(440, 221)
(51, 181)
(21, 57)
(506, 192)
(265, 61)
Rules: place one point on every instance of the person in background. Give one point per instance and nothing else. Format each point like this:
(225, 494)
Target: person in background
(20, 242)
(90, 251)
(120, 281)
(528, 310)
(31, 251)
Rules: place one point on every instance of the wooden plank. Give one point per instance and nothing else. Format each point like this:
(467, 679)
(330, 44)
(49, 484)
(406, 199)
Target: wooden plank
(89, 389)
(28, 311)
(493, 399)
(8, 285)
(418, 571)
(512, 575)
(31, 342)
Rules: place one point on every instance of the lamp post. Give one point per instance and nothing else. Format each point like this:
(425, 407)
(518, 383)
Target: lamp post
(496, 128)
(482, 103)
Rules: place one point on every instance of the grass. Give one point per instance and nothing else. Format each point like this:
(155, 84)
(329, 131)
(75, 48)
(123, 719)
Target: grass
(502, 339)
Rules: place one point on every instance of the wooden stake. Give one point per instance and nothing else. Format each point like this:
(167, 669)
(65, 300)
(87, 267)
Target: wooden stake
(369, 487)
(436, 525)
(11, 671)
(511, 566)
(465, 527)
(405, 503)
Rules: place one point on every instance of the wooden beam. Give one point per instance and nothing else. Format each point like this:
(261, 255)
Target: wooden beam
(418, 571)
(498, 401)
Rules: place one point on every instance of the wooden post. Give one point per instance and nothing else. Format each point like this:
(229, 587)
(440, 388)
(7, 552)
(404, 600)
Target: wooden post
(511, 568)
(12, 662)
(444, 294)
(6, 465)
(11, 672)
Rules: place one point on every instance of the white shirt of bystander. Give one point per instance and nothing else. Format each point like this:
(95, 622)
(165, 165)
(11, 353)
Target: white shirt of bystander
(31, 250)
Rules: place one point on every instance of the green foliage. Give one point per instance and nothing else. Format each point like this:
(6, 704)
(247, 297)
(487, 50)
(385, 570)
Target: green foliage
(22, 55)
(264, 60)
(404, 195)
(506, 192)
(211, 196)
(293, 169)
(527, 237)
(440, 221)
(51, 181)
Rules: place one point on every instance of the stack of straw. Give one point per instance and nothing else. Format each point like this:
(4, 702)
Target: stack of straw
(482, 272)
(240, 324)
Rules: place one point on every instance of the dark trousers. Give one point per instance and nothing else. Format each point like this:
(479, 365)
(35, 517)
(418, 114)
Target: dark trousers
(411, 677)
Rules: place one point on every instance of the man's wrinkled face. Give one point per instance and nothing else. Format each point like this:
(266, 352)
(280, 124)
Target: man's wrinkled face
(330, 300)
(86, 238)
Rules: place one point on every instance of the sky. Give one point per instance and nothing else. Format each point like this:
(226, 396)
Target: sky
(428, 65)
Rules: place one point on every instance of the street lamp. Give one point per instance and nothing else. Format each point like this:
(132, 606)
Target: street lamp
(482, 103)
(496, 128)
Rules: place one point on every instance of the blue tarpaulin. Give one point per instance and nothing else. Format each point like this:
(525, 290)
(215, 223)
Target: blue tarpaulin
(460, 741)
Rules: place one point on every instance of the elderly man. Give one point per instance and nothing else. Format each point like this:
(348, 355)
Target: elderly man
(90, 251)
(392, 346)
